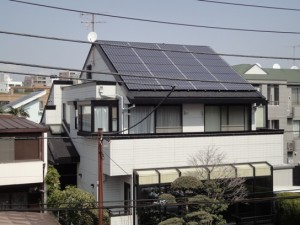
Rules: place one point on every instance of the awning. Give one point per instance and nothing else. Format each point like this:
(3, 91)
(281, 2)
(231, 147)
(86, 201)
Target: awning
(168, 175)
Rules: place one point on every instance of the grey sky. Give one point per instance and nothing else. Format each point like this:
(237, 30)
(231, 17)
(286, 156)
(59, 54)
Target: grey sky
(16, 17)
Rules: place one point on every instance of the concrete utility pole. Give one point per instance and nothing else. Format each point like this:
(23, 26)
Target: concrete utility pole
(100, 175)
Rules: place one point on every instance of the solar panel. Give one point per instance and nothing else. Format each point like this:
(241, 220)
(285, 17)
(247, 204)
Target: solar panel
(164, 60)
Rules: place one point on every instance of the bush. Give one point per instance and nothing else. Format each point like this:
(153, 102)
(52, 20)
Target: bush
(288, 209)
(168, 198)
(172, 221)
(186, 183)
(199, 217)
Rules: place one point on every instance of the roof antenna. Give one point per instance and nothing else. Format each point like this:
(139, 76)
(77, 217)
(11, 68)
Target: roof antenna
(92, 36)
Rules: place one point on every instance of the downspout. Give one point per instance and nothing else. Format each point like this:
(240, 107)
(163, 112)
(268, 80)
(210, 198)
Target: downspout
(121, 105)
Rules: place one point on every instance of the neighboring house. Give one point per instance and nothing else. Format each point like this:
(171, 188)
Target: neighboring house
(32, 104)
(282, 90)
(23, 162)
(215, 108)
(18, 92)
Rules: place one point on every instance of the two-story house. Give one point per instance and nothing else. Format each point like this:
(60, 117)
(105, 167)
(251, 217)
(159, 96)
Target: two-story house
(23, 162)
(151, 130)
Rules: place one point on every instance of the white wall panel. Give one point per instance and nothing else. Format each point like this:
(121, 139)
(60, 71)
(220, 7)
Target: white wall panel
(170, 152)
(21, 173)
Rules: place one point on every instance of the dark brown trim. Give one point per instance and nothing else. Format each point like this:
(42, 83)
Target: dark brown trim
(50, 107)
(63, 82)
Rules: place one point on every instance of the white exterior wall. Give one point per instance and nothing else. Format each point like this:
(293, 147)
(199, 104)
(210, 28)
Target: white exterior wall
(283, 177)
(121, 220)
(21, 173)
(55, 98)
(95, 59)
(171, 152)
(33, 109)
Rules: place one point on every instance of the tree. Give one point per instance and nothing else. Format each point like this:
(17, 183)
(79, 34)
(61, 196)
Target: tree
(224, 185)
(21, 111)
(206, 199)
(81, 206)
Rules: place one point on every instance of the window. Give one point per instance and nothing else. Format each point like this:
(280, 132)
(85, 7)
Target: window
(136, 115)
(89, 74)
(296, 128)
(296, 96)
(166, 119)
(273, 94)
(67, 115)
(12, 150)
(98, 115)
(85, 118)
(227, 118)
(274, 124)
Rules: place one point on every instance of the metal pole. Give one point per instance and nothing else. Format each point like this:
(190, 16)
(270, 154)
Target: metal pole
(100, 176)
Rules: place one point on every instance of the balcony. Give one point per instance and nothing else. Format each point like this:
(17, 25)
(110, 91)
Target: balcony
(175, 150)
(21, 172)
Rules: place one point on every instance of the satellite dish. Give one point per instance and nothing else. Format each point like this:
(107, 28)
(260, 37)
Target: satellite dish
(294, 67)
(276, 66)
(92, 36)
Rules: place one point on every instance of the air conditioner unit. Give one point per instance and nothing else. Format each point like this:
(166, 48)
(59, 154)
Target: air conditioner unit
(290, 146)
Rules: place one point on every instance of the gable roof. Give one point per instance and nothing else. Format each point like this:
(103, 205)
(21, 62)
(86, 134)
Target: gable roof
(197, 68)
(14, 124)
(25, 99)
(288, 75)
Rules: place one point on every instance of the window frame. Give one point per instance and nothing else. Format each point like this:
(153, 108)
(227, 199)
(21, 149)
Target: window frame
(155, 119)
(247, 119)
(96, 103)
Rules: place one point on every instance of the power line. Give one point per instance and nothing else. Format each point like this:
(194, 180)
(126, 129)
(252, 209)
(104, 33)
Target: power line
(117, 74)
(158, 21)
(250, 5)
(74, 78)
(152, 49)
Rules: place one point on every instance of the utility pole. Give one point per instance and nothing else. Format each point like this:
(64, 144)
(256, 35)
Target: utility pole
(100, 176)
(294, 52)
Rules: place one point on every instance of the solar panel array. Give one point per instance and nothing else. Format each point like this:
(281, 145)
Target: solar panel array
(197, 67)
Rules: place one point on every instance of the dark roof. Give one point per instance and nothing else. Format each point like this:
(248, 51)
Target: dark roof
(238, 97)
(61, 149)
(14, 124)
(208, 70)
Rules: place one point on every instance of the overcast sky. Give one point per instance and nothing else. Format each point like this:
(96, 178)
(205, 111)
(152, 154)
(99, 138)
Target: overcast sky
(21, 18)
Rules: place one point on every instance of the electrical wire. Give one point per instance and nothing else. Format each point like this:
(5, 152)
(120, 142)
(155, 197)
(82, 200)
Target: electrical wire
(250, 5)
(157, 21)
(149, 114)
(144, 48)
(116, 74)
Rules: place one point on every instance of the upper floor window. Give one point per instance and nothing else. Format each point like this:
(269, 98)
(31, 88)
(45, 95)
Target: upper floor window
(227, 118)
(89, 74)
(67, 115)
(166, 119)
(296, 95)
(98, 115)
(19, 149)
(273, 94)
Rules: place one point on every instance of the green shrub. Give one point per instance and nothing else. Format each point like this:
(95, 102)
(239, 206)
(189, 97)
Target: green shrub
(186, 183)
(200, 217)
(167, 197)
(172, 221)
(288, 209)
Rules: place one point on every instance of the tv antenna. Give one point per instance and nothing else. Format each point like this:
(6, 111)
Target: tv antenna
(90, 23)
